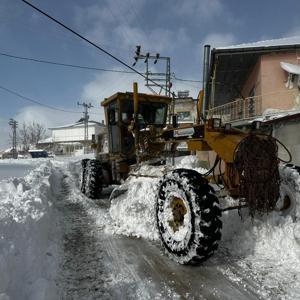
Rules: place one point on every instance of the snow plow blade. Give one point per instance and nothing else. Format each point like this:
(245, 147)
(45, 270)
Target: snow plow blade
(118, 191)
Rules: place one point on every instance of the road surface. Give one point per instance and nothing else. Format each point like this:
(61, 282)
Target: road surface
(97, 265)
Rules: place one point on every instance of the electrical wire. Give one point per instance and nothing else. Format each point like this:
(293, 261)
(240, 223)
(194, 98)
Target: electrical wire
(55, 63)
(64, 64)
(39, 103)
(92, 43)
(188, 80)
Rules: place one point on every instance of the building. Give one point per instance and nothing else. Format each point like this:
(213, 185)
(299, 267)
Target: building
(285, 127)
(69, 139)
(255, 79)
(185, 108)
(258, 81)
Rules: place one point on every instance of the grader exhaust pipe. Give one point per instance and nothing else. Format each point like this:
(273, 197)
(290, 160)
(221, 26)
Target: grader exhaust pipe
(136, 121)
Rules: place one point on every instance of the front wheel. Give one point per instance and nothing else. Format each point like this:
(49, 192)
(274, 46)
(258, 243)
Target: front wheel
(188, 216)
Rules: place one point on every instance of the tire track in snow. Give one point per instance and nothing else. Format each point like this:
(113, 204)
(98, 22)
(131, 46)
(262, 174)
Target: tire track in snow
(82, 269)
(103, 266)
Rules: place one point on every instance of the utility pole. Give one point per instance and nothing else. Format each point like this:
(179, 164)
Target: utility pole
(162, 78)
(86, 124)
(14, 124)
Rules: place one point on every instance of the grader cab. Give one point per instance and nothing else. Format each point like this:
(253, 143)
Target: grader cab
(188, 215)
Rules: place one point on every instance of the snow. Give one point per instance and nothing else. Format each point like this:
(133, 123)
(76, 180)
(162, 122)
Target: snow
(133, 213)
(28, 235)
(273, 114)
(290, 68)
(77, 124)
(18, 167)
(266, 248)
(287, 41)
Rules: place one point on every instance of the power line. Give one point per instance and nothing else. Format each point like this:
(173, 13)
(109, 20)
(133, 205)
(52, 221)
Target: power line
(64, 64)
(90, 42)
(37, 102)
(187, 80)
(55, 63)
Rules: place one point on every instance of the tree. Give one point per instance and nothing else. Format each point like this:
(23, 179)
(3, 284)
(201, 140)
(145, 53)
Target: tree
(31, 134)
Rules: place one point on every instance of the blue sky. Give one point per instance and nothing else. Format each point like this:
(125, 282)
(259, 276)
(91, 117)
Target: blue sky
(174, 28)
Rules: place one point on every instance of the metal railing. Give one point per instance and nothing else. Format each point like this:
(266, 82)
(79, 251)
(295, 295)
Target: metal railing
(239, 109)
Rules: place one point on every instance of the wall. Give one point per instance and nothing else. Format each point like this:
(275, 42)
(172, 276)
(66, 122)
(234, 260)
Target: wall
(273, 78)
(71, 134)
(186, 105)
(254, 80)
(76, 133)
(288, 134)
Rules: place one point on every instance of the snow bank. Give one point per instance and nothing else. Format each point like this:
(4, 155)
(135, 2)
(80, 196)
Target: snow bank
(28, 235)
(269, 247)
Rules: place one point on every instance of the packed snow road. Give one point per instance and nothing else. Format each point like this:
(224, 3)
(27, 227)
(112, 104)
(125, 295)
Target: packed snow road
(98, 265)
(57, 244)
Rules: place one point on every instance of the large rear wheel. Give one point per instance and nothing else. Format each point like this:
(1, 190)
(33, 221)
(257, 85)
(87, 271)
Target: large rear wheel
(188, 216)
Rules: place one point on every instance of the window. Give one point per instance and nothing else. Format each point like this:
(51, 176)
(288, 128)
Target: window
(113, 113)
(184, 116)
(150, 113)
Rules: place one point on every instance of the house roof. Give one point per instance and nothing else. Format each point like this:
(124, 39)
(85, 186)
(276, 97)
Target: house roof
(282, 42)
(234, 64)
(77, 124)
(46, 140)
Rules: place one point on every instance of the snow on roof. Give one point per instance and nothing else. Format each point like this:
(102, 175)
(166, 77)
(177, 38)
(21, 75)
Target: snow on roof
(77, 124)
(288, 41)
(277, 115)
(36, 150)
(46, 140)
(290, 68)
(8, 150)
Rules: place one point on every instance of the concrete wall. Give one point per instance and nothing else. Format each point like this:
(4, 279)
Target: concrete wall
(288, 134)
(274, 92)
(76, 133)
(253, 81)
(187, 105)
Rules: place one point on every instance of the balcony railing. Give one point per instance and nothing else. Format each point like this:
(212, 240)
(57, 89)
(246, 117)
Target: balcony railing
(237, 110)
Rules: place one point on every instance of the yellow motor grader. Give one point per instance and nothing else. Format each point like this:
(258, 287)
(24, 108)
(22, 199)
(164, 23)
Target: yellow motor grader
(188, 214)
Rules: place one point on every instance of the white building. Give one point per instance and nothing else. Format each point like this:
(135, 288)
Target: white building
(186, 110)
(75, 132)
(69, 139)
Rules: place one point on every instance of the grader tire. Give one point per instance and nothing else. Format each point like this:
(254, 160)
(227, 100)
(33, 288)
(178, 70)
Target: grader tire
(93, 179)
(289, 199)
(188, 217)
(83, 174)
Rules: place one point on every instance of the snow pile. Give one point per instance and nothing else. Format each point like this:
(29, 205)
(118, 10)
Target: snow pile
(267, 247)
(133, 212)
(28, 235)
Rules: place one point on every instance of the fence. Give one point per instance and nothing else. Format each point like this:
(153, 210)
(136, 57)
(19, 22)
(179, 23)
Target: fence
(239, 109)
